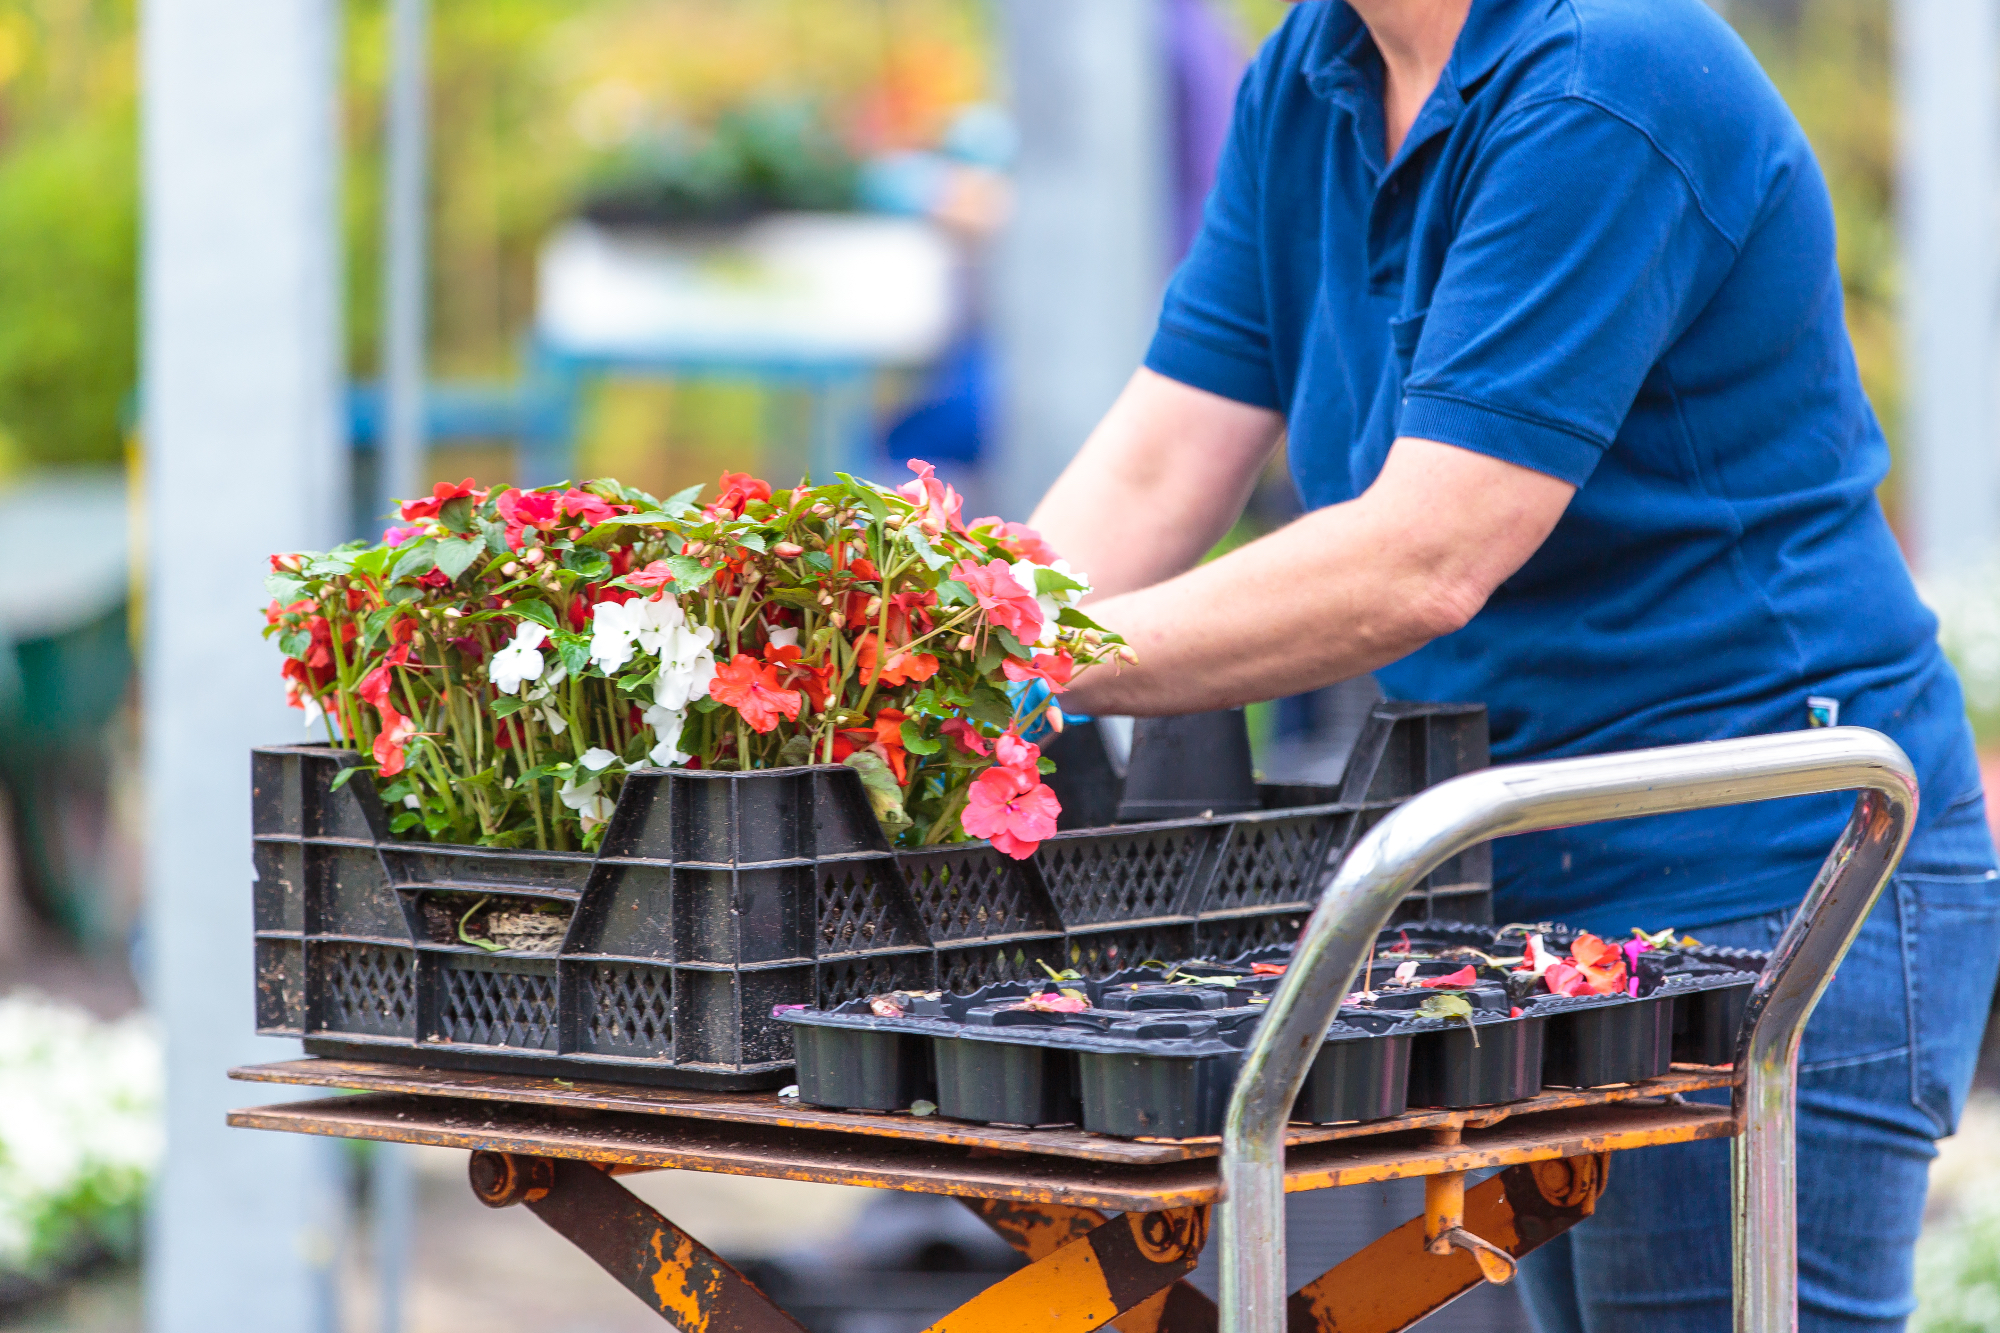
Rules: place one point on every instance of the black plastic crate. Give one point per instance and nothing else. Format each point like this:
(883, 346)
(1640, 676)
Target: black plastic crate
(717, 897)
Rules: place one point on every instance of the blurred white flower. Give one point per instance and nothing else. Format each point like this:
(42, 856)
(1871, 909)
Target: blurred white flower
(519, 661)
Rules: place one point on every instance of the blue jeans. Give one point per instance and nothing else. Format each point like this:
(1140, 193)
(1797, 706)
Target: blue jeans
(1887, 1062)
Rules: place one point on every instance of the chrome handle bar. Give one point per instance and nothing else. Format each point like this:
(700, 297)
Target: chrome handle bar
(1436, 825)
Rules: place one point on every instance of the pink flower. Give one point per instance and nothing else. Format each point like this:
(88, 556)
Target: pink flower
(1005, 602)
(397, 534)
(1054, 668)
(1020, 540)
(966, 735)
(1013, 752)
(1012, 807)
(1057, 1002)
(441, 494)
(939, 503)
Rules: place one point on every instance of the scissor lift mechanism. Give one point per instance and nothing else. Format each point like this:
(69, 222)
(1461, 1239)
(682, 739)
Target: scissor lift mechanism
(1111, 1227)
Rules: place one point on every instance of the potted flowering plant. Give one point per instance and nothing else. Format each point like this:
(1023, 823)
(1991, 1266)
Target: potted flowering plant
(503, 657)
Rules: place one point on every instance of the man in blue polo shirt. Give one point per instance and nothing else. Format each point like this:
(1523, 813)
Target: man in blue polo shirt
(1543, 293)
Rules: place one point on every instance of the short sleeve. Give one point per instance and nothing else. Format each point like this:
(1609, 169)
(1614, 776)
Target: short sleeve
(1581, 255)
(1214, 330)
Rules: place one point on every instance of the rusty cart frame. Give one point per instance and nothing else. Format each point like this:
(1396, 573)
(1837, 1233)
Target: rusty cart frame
(1111, 1227)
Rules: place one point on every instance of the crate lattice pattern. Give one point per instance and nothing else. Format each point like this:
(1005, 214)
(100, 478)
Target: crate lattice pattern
(970, 895)
(630, 1007)
(1106, 951)
(857, 907)
(1269, 863)
(852, 978)
(498, 1009)
(367, 988)
(1118, 878)
(962, 970)
(1229, 938)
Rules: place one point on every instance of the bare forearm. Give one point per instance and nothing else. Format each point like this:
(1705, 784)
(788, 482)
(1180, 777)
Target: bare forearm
(1158, 483)
(1342, 591)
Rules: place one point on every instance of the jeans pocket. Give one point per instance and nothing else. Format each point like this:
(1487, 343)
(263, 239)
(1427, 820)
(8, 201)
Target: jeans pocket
(1951, 955)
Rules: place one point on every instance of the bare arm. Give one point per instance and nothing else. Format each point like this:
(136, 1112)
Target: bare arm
(1335, 594)
(1157, 484)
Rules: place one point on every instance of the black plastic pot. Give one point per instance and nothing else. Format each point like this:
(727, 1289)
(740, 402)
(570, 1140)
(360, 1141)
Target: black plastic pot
(1448, 1069)
(1001, 1083)
(1708, 1014)
(858, 1070)
(1592, 1041)
(1357, 1075)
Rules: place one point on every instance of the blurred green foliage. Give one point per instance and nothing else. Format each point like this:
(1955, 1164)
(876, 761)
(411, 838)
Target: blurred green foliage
(535, 99)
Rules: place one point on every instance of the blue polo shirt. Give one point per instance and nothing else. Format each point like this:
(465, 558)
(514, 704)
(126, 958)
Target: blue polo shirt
(1605, 252)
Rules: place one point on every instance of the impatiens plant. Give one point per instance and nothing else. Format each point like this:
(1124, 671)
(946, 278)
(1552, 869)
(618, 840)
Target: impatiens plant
(503, 657)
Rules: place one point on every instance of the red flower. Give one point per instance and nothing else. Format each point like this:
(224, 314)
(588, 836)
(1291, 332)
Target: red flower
(1020, 540)
(1005, 602)
(754, 690)
(938, 504)
(1010, 805)
(1051, 667)
(396, 729)
(521, 510)
(902, 668)
(588, 507)
(739, 489)
(1465, 976)
(794, 674)
(655, 575)
(907, 612)
(966, 735)
(440, 494)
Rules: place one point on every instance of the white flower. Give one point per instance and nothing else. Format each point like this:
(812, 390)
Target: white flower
(784, 638)
(554, 721)
(588, 800)
(519, 661)
(687, 665)
(597, 760)
(312, 709)
(1051, 603)
(656, 619)
(614, 629)
(667, 724)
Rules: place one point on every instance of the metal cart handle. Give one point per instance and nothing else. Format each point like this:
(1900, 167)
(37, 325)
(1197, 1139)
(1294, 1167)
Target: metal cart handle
(1438, 824)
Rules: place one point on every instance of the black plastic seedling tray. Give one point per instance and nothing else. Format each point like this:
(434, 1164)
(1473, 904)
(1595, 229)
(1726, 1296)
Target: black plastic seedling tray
(1449, 1069)
(1593, 1041)
(718, 897)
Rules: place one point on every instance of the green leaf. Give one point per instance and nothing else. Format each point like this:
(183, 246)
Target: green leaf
(868, 496)
(1048, 581)
(456, 513)
(496, 537)
(507, 705)
(587, 561)
(403, 593)
(953, 593)
(706, 704)
(574, 649)
(689, 573)
(405, 821)
(1440, 1005)
(1013, 645)
(295, 643)
(287, 588)
(990, 657)
(341, 778)
(680, 500)
(1045, 765)
(916, 742)
(796, 752)
(885, 798)
(991, 707)
(753, 540)
(820, 561)
(929, 554)
(1075, 619)
(455, 557)
(417, 561)
(373, 624)
(539, 612)
(375, 562)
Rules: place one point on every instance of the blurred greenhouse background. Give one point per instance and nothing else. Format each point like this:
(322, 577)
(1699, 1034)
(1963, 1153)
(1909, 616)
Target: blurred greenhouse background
(696, 119)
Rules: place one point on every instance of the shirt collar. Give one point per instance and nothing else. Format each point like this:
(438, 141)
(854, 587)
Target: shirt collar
(1342, 60)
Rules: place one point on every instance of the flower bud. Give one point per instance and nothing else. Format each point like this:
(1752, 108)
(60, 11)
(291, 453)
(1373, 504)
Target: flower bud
(695, 548)
(837, 620)
(788, 550)
(452, 613)
(895, 521)
(825, 598)
(965, 643)
(1053, 716)
(510, 569)
(873, 609)
(533, 557)
(1126, 654)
